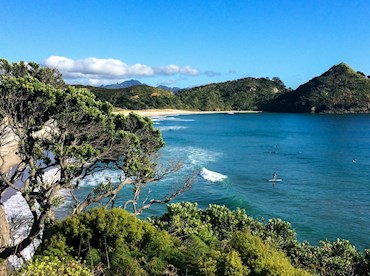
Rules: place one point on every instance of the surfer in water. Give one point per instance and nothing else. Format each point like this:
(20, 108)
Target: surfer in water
(274, 176)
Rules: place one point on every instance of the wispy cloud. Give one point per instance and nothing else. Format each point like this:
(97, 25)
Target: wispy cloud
(94, 70)
(210, 73)
(172, 82)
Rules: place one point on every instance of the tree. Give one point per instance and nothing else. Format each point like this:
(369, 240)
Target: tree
(68, 130)
(21, 69)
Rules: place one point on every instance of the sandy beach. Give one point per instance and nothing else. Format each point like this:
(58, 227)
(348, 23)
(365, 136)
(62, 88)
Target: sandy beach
(173, 112)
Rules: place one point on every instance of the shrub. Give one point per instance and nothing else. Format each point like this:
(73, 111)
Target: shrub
(115, 240)
(54, 266)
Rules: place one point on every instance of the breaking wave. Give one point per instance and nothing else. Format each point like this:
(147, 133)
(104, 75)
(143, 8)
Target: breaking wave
(165, 128)
(211, 175)
(170, 118)
(98, 177)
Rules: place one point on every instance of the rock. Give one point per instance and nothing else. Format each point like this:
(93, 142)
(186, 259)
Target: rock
(4, 269)
(4, 228)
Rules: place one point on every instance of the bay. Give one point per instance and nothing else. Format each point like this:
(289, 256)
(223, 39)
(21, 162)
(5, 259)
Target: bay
(323, 160)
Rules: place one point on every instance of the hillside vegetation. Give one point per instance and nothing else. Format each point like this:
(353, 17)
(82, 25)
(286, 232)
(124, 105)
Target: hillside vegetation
(137, 97)
(339, 90)
(187, 240)
(242, 94)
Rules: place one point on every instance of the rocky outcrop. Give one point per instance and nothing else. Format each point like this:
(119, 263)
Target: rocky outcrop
(4, 228)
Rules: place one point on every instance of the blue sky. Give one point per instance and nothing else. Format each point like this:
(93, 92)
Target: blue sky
(187, 43)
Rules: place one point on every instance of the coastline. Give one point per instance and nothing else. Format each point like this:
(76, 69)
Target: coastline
(175, 112)
(9, 150)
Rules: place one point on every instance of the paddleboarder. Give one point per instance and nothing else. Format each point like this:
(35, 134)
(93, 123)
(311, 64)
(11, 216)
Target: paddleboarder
(274, 176)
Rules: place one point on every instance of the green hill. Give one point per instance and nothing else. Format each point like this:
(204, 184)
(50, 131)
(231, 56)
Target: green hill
(339, 90)
(242, 94)
(137, 97)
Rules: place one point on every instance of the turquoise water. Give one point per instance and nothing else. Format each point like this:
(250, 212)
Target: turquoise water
(324, 193)
(324, 161)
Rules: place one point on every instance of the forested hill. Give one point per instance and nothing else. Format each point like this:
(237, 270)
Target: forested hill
(242, 94)
(137, 97)
(339, 90)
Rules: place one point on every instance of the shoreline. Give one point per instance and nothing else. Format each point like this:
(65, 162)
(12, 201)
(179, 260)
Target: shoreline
(176, 112)
(11, 159)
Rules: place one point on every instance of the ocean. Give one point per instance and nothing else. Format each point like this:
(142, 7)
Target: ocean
(323, 161)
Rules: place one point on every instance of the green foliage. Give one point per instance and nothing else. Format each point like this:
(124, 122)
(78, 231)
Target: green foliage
(54, 266)
(234, 265)
(337, 257)
(242, 94)
(121, 244)
(260, 257)
(214, 241)
(68, 129)
(339, 90)
(137, 97)
(216, 221)
(217, 226)
(124, 244)
(22, 69)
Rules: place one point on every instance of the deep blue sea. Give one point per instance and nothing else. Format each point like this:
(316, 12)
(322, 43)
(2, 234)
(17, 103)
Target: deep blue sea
(323, 161)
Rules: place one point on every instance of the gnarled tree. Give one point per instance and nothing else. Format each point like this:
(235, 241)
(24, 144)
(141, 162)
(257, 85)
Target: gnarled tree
(65, 129)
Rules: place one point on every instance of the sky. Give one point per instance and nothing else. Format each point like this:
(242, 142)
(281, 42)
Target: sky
(186, 43)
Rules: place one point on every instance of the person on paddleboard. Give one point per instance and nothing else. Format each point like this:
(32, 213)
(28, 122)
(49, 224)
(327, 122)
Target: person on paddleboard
(274, 176)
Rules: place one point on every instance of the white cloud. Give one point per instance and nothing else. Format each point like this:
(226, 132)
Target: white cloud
(94, 70)
(175, 69)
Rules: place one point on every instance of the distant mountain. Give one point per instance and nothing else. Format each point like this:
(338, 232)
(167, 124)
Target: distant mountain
(125, 84)
(172, 89)
(338, 90)
(242, 94)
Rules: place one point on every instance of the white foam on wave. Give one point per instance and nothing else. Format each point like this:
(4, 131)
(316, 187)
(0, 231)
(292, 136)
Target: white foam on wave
(52, 175)
(20, 218)
(17, 211)
(170, 118)
(190, 155)
(200, 156)
(165, 128)
(100, 177)
(211, 175)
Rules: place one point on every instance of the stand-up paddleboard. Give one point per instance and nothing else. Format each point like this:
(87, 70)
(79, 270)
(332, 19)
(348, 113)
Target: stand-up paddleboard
(276, 180)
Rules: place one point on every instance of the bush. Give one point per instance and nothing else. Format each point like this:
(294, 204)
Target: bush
(114, 239)
(218, 224)
(54, 266)
(215, 241)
